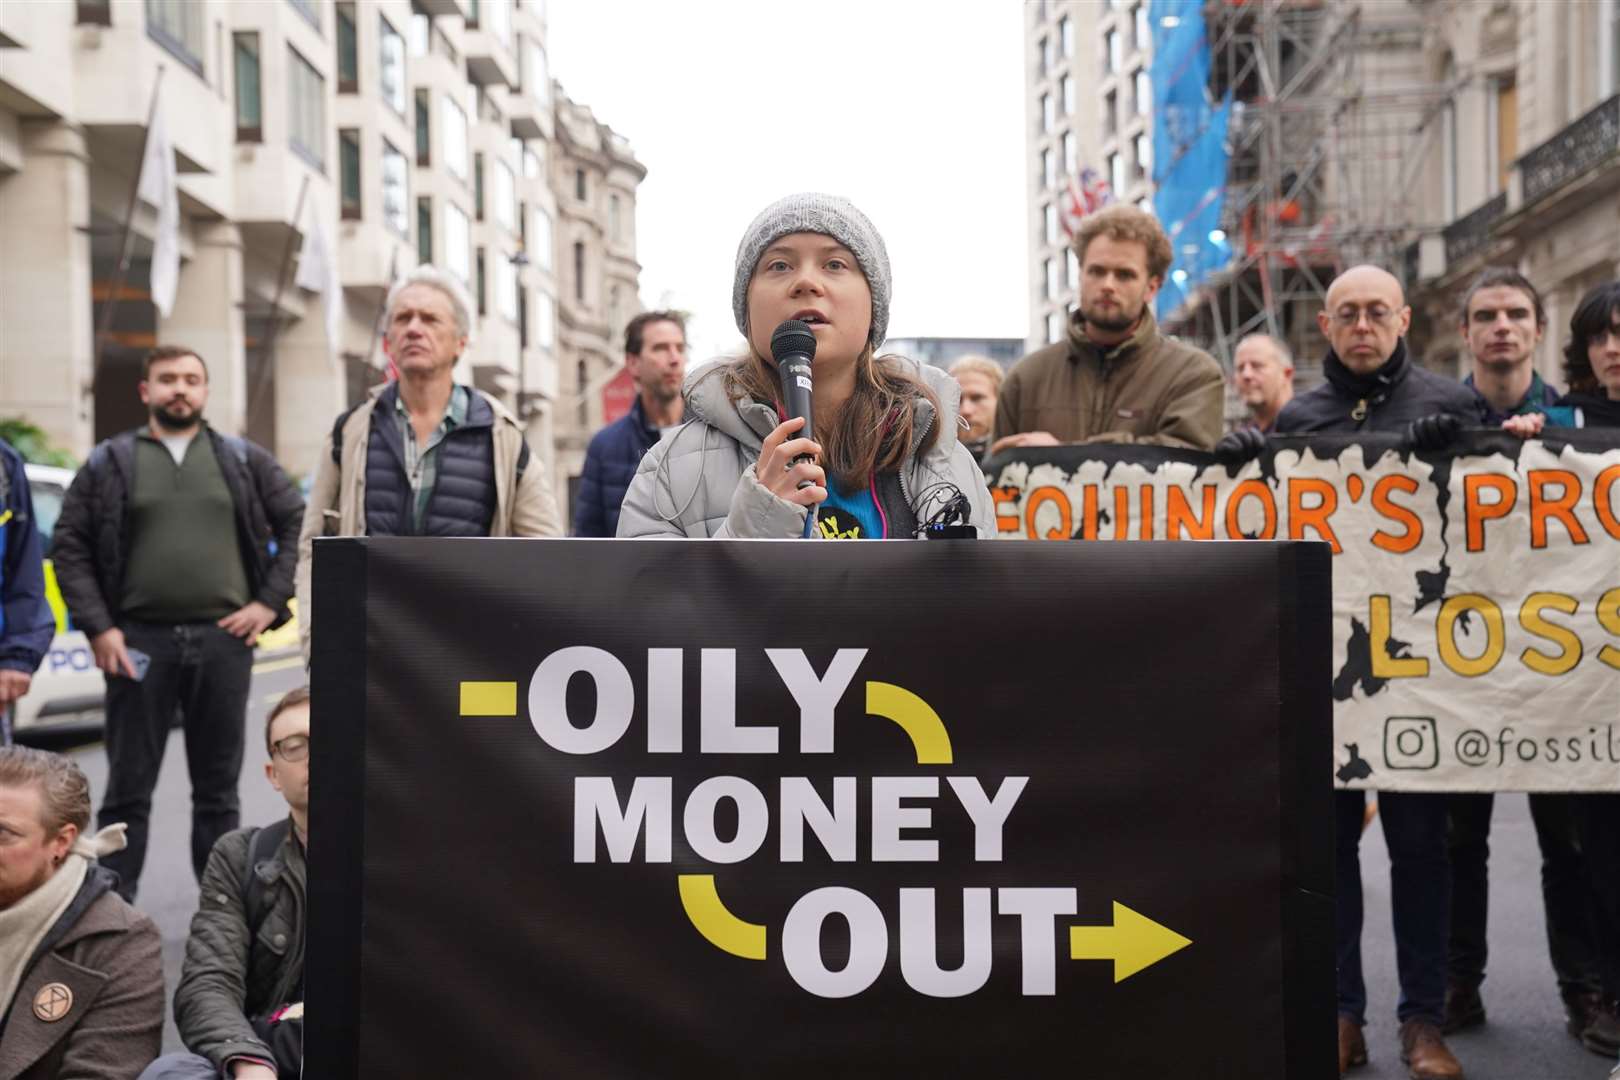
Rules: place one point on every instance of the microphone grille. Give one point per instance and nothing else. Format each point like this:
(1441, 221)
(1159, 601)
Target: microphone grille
(793, 337)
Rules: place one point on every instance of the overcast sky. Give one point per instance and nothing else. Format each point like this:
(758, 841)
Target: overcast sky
(914, 110)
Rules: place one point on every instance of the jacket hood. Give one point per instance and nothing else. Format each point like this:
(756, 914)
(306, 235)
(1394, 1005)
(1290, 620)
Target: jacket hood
(1141, 339)
(750, 421)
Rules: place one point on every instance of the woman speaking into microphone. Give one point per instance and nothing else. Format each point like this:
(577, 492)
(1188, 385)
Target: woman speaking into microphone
(884, 462)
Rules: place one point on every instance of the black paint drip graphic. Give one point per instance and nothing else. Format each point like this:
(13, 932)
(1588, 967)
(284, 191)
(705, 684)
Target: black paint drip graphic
(1356, 768)
(1358, 663)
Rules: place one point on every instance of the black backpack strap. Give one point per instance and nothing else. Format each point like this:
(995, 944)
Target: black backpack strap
(262, 848)
(337, 435)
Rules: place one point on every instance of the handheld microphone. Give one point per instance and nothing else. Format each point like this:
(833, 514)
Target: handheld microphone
(793, 347)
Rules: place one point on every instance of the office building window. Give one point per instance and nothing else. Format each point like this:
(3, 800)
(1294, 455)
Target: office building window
(480, 281)
(1116, 175)
(306, 8)
(615, 226)
(506, 286)
(453, 137)
(1110, 118)
(1072, 262)
(458, 243)
(396, 194)
(424, 230)
(306, 109)
(532, 161)
(1144, 156)
(496, 17)
(177, 25)
(579, 184)
(249, 105)
(1052, 290)
(1113, 52)
(419, 35)
(349, 173)
(1048, 113)
(541, 240)
(1144, 94)
(1144, 32)
(579, 271)
(348, 51)
(1066, 35)
(505, 196)
(545, 320)
(536, 75)
(391, 66)
(1071, 154)
(1051, 216)
(1048, 169)
(1043, 58)
(1069, 100)
(93, 12)
(478, 187)
(424, 133)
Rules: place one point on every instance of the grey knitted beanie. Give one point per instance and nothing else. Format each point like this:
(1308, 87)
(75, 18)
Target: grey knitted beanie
(829, 215)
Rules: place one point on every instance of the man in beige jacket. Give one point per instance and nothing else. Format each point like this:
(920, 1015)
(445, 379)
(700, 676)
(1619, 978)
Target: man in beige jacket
(424, 456)
(1114, 379)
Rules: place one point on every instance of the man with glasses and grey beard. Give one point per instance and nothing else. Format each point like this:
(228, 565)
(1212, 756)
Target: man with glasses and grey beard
(240, 1002)
(1373, 385)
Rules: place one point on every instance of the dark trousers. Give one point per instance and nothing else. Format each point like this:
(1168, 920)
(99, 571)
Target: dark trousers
(1597, 829)
(1566, 890)
(1415, 833)
(203, 672)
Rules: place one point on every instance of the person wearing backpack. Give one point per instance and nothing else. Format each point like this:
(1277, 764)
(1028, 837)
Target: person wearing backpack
(175, 550)
(424, 455)
(240, 1002)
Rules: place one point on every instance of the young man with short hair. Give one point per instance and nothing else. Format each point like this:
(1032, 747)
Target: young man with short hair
(1115, 379)
(175, 550)
(655, 356)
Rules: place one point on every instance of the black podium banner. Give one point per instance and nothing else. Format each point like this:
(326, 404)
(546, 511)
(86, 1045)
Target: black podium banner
(778, 809)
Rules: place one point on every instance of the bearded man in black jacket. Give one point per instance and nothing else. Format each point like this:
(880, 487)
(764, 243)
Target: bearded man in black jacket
(1372, 385)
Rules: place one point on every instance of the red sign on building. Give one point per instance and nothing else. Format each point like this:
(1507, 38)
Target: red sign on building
(617, 396)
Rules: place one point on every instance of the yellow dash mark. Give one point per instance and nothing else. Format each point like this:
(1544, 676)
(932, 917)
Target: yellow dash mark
(716, 922)
(1132, 943)
(915, 716)
(489, 699)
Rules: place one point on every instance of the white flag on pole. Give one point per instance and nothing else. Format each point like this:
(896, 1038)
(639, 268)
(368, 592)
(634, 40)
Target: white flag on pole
(157, 186)
(318, 272)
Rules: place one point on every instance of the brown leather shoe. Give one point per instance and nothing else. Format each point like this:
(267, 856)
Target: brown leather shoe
(1352, 1047)
(1424, 1050)
(1594, 1021)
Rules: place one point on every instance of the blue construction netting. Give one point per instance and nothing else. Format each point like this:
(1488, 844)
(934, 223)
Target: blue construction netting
(1189, 149)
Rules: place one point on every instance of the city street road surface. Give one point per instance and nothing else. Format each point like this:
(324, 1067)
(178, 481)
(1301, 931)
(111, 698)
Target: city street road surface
(1524, 1038)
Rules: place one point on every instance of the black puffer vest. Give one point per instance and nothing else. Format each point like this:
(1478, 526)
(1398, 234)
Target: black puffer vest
(463, 499)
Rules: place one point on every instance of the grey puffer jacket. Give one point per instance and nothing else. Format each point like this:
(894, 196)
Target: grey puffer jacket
(699, 480)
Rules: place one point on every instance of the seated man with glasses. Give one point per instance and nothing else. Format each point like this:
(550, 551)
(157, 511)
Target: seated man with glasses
(240, 1003)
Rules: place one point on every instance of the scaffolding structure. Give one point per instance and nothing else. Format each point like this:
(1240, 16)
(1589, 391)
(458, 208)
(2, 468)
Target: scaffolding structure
(1330, 128)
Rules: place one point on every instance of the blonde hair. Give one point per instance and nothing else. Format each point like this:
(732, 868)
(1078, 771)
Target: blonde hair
(1127, 224)
(979, 365)
(873, 431)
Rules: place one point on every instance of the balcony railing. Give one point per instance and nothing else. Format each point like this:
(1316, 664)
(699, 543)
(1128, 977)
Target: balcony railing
(1469, 233)
(1580, 147)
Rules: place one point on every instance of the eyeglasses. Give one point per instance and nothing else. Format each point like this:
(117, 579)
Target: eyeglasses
(292, 749)
(1377, 315)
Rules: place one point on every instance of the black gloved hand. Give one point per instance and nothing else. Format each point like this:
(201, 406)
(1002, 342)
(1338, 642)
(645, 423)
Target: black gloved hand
(1237, 447)
(1433, 432)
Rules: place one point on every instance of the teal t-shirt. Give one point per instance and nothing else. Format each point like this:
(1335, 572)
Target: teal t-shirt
(850, 515)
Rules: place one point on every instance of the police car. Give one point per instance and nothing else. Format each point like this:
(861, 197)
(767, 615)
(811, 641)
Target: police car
(67, 691)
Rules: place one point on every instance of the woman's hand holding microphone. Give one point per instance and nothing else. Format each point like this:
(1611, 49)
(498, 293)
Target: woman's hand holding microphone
(781, 476)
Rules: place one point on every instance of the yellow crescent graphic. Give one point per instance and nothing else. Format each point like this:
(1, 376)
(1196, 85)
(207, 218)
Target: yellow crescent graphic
(915, 716)
(716, 922)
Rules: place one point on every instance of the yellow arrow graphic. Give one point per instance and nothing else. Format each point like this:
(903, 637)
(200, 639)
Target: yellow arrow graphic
(1132, 943)
(915, 716)
(716, 922)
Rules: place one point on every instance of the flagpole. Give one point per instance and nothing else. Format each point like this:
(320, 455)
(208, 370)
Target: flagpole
(121, 271)
(267, 362)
